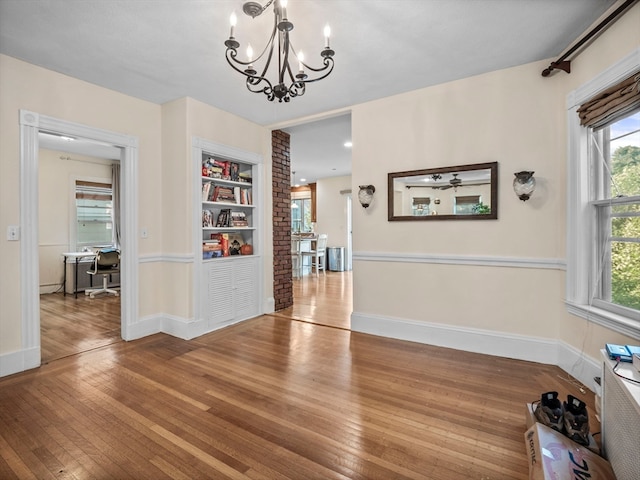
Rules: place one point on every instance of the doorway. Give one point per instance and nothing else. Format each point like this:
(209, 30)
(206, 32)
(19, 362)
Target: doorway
(77, 213)
(31, 125)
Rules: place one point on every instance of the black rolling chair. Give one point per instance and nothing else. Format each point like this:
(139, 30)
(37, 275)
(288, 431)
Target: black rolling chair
(107, 262)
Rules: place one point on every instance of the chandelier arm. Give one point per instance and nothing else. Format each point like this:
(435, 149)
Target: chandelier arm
(297, 89)
(231, 60)
(253, 86)
(328, 64)
(326, 61)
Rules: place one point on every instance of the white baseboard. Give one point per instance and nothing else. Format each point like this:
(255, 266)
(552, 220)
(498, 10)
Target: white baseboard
(19, 361)
(541, 350)
(552, 352)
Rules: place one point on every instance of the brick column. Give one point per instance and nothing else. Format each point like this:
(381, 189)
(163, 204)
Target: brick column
(281, 186)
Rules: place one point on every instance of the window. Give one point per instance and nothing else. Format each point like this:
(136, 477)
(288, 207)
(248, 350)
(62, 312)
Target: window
(603, 229)
(465, 205)
(420, 206)
(616, 204)
(94, 207)
(301, 215)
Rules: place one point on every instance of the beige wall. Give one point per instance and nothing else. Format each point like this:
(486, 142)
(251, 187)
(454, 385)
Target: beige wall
(331, 209)
(25, 86)
(164, 172)
(517, 118)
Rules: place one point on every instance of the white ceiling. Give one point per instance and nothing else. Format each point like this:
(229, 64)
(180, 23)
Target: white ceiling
(161, 50)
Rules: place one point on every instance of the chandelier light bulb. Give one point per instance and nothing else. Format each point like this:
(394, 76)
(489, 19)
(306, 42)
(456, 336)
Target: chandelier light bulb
(327, 34)
(301, 60)
(283, 5)
(249, 53)
(233, 20)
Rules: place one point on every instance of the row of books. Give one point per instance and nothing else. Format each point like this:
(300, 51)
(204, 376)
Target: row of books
(219, 193)
(224, 170)
(226, 218)
(224, 245)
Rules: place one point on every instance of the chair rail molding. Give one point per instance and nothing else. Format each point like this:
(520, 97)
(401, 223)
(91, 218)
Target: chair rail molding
(485, 261)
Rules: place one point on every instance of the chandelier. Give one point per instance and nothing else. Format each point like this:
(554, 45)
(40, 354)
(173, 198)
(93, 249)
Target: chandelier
(287, 85)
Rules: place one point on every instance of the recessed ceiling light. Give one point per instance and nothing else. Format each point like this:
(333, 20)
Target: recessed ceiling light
(348, 144)
(303, 179)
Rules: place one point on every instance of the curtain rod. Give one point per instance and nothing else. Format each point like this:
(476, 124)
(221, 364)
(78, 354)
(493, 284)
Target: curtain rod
(565, 65)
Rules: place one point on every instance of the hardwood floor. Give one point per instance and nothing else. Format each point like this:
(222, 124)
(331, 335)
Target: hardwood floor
(69, 326)
(326, 299)
(273, 398)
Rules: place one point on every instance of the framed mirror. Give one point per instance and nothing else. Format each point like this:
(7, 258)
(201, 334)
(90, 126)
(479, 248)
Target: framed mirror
(463, 192)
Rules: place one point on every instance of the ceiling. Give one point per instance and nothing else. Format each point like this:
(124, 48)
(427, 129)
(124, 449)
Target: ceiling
(161, 50)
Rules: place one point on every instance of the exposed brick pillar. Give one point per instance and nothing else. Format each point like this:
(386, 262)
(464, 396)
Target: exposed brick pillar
(281, 186)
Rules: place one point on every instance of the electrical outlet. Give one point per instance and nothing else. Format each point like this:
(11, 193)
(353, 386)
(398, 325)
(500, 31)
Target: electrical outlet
(13, 233)
(144, 233)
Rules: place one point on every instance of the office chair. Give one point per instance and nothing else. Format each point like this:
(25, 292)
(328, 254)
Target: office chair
(318, 257)
(106, 263)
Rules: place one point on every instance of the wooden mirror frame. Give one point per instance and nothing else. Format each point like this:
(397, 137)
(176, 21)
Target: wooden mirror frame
(492, 215)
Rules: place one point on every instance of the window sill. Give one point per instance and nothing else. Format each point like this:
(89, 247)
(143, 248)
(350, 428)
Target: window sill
(617, 323)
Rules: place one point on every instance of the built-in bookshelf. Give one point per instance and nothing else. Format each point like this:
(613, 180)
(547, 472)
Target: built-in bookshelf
(227, 207)
(227, 221)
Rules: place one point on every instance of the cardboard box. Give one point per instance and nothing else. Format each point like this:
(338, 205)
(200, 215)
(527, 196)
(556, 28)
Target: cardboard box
(531, 420)
(552, 456)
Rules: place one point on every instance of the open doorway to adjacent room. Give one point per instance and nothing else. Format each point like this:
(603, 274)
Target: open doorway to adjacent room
(78, 194)
(40, 187)
(321, 200)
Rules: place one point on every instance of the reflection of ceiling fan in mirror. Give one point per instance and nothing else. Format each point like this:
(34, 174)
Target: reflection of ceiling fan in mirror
(455, 182)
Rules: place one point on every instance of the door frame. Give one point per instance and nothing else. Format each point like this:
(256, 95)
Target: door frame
(31, 124)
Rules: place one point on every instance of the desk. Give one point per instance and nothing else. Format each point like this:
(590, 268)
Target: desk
(77, 256)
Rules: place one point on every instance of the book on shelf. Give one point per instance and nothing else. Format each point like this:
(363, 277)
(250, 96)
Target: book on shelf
(245, 177)
(206, 189)
(234, 172)
(207, 218)
(223, 169)
(239, 219)
(224, 218)
(223, 194)
(235, 243)
(244, 196)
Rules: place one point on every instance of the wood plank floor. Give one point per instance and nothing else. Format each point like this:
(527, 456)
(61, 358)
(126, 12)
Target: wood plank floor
(272, 398)
(70, 325)
(326, 299)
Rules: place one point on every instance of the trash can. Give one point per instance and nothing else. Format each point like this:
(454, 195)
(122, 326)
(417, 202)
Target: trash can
(336, 258)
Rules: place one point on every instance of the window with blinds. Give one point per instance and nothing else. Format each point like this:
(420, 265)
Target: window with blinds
(421, 206)
(94, 214)
(464, 205)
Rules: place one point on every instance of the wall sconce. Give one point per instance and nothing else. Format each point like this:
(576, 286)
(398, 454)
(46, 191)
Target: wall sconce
(524, 184)
(365, 195)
